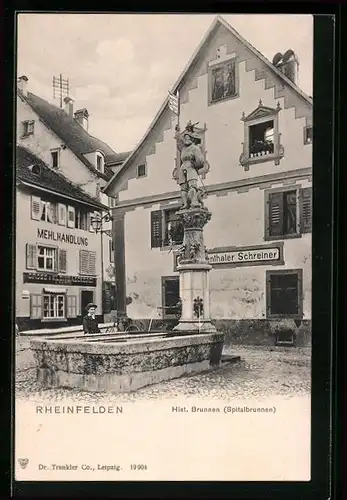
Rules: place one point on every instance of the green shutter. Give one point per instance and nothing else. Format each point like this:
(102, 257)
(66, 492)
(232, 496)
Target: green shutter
(156, 229)
(275, 215)
(306, 210)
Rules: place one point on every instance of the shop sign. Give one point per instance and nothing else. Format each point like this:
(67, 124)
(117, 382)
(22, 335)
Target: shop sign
(59, 279)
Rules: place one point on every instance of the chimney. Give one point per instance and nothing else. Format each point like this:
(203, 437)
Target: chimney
(81, 116)
(68, 106)
(288, 64)
(22, 85)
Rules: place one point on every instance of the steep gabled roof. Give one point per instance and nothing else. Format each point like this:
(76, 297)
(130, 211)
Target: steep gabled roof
(47, 179)
(71, 132)
(218, 21)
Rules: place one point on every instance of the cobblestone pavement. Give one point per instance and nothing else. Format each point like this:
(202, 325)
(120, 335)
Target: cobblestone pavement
(262, 372)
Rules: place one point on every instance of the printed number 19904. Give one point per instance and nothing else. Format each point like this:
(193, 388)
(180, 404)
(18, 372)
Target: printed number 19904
(138, 467)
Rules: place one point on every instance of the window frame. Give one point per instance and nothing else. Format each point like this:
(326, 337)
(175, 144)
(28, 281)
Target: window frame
(283, 189)
(261, 114)
(137, 171)
(55, 150)
(300, 313)
(164, 279)
(55, 262)
(44, 204)
(26, 124)
(163, 211)
(219, 64)
(307, 127)
(101, 157)
(54, 295)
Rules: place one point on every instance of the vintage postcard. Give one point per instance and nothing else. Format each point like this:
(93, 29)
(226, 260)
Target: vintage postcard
(163, 247)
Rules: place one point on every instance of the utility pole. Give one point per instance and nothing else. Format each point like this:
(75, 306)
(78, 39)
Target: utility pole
(60, 88)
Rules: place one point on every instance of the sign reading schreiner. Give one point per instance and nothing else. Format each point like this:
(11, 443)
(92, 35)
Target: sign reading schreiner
(239, 256)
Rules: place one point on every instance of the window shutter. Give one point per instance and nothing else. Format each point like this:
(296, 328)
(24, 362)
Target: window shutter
(61, 214)
(84, 261)
(92, 263)
(275, 220)
(62, 263)
(156, 228)
(90, 227)
(111, 251)
(36, 208)
(70, 217)
(306, 210)
(71, 306)
(35, 306)
(31, 256)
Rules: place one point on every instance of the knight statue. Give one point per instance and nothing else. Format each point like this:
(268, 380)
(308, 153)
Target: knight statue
(192, 166)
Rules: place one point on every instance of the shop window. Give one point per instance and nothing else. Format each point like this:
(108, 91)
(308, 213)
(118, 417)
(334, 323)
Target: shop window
(223, 81)
(166, 230)
(87, 262)
(308, 135)
(28, 127)
(53, 306)
(170, 295)
(284, 296)
(261, 137)
(288, 212)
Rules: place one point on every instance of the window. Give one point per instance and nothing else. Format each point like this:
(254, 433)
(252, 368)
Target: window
(99, 163)
(46, 258)
(53, 306)
(261, 137)
(81, 220)
(223, 81)
(166, 230)
(111, 250)
(170, 295)
(55, 158)
(71, 306)
(112, 202)
(48, 211)
(288, 212)
(141, 170)
(28, 127)
(308, 135)
(87, 263)
(284, 297)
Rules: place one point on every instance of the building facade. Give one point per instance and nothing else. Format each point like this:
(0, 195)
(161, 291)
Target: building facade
(256, 129)
(58, 261)
(60, 139)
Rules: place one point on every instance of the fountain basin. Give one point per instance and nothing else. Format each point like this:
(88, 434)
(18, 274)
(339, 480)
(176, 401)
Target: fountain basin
(120, 363)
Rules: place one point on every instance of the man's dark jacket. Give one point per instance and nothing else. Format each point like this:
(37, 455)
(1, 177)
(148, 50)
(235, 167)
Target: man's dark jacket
(90, 325)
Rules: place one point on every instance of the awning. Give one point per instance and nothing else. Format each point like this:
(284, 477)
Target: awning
(54, 289)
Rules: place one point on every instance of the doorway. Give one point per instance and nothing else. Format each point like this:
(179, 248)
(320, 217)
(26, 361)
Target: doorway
(170, 295)
(86, 297)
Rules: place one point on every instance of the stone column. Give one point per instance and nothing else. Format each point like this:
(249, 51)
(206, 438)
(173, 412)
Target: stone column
(194, 271)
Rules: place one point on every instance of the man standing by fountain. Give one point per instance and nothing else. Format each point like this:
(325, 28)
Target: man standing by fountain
(90, 323)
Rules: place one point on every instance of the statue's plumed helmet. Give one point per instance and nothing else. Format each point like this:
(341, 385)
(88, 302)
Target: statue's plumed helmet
(189, 130)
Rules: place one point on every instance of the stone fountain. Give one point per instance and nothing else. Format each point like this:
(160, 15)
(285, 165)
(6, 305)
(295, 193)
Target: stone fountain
(121, 363)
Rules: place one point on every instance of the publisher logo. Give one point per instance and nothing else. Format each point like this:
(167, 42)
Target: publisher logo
(23, 462)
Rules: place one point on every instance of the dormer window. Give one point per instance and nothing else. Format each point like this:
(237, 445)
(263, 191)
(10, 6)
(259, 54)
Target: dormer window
(261, 137)
(28, 127)
(141, 170)
(55, 158)
(100, 162)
